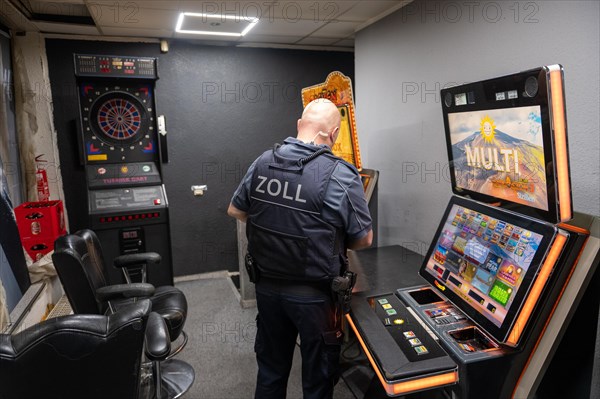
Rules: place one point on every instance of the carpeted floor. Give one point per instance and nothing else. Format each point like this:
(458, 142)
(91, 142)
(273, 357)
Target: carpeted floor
(221, 344)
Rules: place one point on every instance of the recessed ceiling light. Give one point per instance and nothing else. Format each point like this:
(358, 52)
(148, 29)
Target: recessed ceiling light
(227, 25)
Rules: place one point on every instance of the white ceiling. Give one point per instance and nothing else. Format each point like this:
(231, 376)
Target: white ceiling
(306, 23)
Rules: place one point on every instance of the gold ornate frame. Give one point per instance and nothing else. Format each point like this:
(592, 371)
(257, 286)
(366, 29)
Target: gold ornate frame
(338, 88)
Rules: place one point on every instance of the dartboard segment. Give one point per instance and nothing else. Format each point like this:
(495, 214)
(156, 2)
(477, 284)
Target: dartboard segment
(119, 119)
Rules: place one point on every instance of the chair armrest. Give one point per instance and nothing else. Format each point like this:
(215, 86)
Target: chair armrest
(158, 344)
(123, 291)
(136, 259)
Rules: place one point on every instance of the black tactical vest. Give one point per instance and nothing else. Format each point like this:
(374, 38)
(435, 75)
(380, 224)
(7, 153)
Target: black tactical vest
(287, 235)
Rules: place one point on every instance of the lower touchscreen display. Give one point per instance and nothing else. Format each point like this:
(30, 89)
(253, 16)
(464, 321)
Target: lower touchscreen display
(483, 260)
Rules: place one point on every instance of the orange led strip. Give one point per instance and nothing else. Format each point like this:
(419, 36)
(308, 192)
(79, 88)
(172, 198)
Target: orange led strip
(405, 386)
(536, 290)
(560, 145)
(575, 229)
(558, 299)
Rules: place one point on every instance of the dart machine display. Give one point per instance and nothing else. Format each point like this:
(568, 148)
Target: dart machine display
(122, 147)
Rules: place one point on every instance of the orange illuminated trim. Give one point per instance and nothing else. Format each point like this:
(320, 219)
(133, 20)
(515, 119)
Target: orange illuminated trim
(404, 387)
(558, 299)
(560, 145)
(575, 229)
(536, 290)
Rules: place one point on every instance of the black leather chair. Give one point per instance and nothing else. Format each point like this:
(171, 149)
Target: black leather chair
(80, 266)
(82, 356)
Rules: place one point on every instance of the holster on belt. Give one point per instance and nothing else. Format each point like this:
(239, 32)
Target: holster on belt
(341, 286)
(252, 268)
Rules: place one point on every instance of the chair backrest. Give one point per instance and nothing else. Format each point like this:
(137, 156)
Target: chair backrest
(94, 249)
(79, 274)
(76, 356)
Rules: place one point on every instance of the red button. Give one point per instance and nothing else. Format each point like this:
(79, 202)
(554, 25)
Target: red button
(157, 201)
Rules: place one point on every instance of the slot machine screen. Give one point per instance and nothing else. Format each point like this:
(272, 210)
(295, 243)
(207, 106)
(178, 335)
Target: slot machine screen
(502, 143)
(485, 260)
(503, 150)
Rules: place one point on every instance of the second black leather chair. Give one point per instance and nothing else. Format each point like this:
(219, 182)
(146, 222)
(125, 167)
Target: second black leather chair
(80, 266)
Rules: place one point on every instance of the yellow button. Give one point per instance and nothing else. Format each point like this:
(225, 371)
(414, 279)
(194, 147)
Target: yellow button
(386, 306)
(398, 321)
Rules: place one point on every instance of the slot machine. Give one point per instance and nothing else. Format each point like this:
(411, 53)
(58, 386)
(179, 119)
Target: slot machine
(123, 146)
(508, 261)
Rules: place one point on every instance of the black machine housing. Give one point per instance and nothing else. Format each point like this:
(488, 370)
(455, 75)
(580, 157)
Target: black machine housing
(123, 152)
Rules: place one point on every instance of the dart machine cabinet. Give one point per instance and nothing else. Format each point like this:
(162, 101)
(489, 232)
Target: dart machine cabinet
(122, 147)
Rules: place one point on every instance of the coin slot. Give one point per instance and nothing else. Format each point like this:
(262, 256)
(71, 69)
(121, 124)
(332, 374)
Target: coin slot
(425, 296)
(471, 339)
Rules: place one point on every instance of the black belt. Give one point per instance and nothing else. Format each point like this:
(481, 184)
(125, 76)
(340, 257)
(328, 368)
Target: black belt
(293, 287)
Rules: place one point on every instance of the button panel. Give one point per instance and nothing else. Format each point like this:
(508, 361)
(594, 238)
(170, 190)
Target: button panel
(412, 338)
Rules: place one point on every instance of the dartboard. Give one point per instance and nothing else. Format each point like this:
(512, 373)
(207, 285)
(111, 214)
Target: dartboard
(118, 117)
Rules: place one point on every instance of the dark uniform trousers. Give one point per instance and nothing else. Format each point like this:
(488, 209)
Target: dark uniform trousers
(284, 312)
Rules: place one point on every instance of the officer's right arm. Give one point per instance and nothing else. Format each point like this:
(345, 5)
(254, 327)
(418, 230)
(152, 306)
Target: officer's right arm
(347, 197)
(363, 242)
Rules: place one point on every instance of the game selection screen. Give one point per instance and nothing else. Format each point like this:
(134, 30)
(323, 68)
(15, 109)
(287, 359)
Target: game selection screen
(483, 260)
(500, 153)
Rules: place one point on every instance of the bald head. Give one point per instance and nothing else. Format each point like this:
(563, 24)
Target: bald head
(320, 122)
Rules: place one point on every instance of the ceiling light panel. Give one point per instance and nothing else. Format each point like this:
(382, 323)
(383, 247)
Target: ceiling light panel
(214, 25)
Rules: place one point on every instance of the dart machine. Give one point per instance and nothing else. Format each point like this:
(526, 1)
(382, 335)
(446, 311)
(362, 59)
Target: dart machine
(122, 147)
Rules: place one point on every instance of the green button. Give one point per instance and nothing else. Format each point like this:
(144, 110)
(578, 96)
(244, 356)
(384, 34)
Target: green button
(391, 312)
(382, 301)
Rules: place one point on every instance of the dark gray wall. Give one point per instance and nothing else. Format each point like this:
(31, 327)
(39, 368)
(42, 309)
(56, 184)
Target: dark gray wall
(223, 106)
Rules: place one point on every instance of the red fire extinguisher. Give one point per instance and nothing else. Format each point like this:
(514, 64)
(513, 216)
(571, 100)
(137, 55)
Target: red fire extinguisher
(42, 180)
